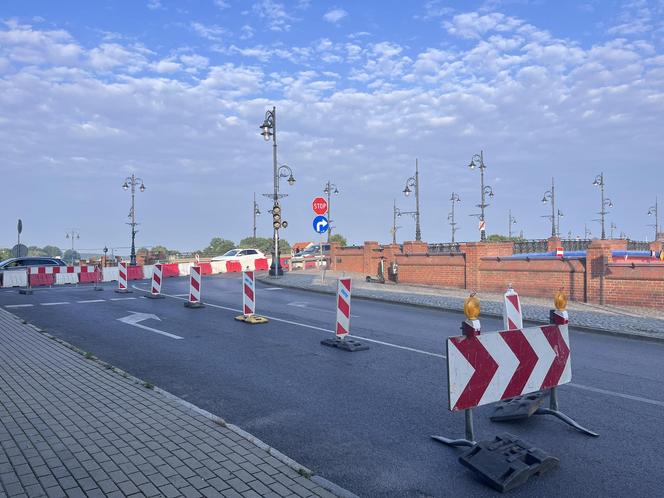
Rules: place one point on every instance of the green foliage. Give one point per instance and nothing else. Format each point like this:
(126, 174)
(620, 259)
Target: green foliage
(495, 237)
(70, 255)
(337, 237)
(264, 244)
(36, 251)
(5, 254)
(218, 246)
(52, 251)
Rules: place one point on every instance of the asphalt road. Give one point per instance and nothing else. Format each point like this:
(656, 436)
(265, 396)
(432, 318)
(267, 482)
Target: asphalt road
(363, 419)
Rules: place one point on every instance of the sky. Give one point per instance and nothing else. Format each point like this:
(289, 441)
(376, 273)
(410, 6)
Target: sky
(175, 91)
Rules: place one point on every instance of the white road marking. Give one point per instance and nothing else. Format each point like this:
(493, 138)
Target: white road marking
(92, 301)
(436, 355)
(18, 305)
(272, 288)
(137, 317)
(181, 295)
(54, 304)
(122, 298)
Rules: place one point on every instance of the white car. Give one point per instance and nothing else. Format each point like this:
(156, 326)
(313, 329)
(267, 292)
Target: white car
(246, 257)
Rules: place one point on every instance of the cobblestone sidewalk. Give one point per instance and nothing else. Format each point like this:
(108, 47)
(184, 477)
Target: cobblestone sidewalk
(72, 426)
(644, 322)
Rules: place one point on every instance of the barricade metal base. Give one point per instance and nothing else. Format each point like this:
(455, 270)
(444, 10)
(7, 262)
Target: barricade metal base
(123, 291)
(155, 296)
(470, 434)
(251, 319)
(195, 305)
(567, 420)
(507, 462)
(26, 291)
(346, 344)
(97, 288)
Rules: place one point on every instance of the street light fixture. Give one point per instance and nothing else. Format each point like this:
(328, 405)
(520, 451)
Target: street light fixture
(606, 202)
(654, 210)
(256, 212)
(131, 182)
(550, 195)
(512, 221)
(269, 130)
(414, 182)
(477, 161)
(73, 235)
(330, 188)
(450, 217)
(395, 213)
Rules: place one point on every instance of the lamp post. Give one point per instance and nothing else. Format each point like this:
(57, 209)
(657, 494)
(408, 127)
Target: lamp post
(131, 182)
(606, 202)
(450, 217)
(612, 226)
(654, 210)
(73, 234)
(330, 188)
(559, 214)
(477, 161)
(414, 182)
(550, 195)
(586, 232)
(269, 130)
(256, 212)
(512, 221)
(395, 213)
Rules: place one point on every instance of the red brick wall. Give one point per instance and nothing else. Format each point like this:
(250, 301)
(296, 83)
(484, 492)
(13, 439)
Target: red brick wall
(438, 269)
(538, 278)
(349, 259)
(634, 285)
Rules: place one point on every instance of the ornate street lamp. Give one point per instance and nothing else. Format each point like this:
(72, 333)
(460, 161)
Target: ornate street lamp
(512, 221)
(330, 188)
(131, 182)
(73, 234)
(606, 202)
(654, 210)
(477, 161)
(550, 195)
(414, 183)
(450, 217)
(256, 212)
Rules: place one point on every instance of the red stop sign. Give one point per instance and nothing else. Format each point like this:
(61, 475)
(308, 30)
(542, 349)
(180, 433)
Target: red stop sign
(319, 205)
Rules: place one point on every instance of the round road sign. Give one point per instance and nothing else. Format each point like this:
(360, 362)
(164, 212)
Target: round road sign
(319, 205)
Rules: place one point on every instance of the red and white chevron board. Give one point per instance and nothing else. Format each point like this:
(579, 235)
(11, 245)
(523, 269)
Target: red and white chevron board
(195, 284)
(248, 293)
(122, 275)
(512, 317)
(343, 308)
(492, 367)
(157, 277)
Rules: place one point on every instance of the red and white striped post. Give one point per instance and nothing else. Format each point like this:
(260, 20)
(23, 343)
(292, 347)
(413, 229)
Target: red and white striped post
(342, 329)
(98, 269)
(249, 300)
(194, 300)
(512, 315)
(122, 278)
(155, 286)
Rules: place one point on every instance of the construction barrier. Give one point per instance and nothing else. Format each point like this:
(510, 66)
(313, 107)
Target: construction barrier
(233, 266)
(122, 278)
(206, 268)
(184, 269)
(69, 278)
(39, 278)
(218, 266)
(14, 278)
(249, 300)
(147, 272)
(512, 317)
(194, 300)
(170, 270)
(261, 264)
(342, 328)
(155, 283)
(134, 272)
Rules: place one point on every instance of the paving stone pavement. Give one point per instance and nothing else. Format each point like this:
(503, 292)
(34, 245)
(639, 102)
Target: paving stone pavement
(643, 322)
(72, 426)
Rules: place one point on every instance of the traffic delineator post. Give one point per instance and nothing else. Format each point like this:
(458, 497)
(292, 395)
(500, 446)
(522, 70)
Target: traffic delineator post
(194, 300)
(155, 284)
(122, 278)
(249, 300)
(512, 316)
(342, 329)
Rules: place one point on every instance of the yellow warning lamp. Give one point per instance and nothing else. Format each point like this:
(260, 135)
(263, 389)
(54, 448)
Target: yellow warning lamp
(560, 300)
(471, 307)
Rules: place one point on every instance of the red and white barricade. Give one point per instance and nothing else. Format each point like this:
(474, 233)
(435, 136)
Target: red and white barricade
(249, 300)
(122, 278)
(155, 284)
(194, 300)
(512, 316)
(488, 368)
(342, 328)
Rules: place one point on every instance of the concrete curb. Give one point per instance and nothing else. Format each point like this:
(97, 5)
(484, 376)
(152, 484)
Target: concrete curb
(585, 328)
(289, 462)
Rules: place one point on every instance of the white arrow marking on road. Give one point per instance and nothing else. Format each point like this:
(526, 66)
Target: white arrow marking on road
(137, 317)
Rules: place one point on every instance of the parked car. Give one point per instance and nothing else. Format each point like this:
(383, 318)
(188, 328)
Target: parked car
(21, 263)
(311, 253)
(246, 257)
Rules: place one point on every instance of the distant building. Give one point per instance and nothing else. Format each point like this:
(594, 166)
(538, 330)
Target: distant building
(300, 246)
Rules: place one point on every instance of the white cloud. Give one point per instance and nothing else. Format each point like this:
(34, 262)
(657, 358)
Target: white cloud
(154, 5)
(274, 13)
(211, 32)
(221, 4)
(335, 15)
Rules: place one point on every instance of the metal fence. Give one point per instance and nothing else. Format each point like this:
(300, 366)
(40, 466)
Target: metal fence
(444, 248)
(529, 246)
(575, 244)
(637, 245)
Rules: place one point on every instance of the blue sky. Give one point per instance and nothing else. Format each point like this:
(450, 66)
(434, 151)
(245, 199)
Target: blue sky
(174, 91)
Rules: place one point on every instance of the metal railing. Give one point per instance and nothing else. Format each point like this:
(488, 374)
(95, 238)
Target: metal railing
(637, 245)
(575, 244)
(529, 246)
(445, 248)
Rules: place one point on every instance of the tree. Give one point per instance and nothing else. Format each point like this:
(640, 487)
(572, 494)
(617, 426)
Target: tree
(495, 237)
(5, 254)
(218, 246)
(264, 244)
(340, 239)
(71, 256)
(52, 251)
(36, 251)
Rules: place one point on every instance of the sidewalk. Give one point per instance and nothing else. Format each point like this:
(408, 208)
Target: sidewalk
(641, 322)
(72, 426)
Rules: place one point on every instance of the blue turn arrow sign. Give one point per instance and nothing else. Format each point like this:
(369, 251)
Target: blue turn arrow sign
(321, 224)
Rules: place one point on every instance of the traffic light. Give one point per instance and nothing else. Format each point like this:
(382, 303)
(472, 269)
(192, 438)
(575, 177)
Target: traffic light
(276, 217)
